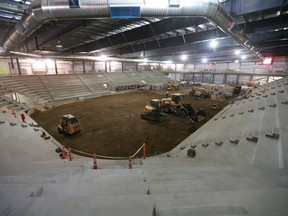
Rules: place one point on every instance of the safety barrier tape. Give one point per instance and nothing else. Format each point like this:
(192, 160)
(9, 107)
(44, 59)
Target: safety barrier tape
(108, 157)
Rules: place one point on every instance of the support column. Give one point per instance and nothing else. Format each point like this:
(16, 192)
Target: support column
(224, 78)
(122, 66)
(237, 78)
(12, 63)
(105, 63)
(109, 64)
(84, 69)
(267, 79)
(18, 65)
(251, 78)
(213, 77)
(202, 77)
(55, 65)
(93, 66)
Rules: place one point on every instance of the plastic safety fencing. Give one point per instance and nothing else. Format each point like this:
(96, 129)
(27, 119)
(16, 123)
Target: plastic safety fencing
(143, 147)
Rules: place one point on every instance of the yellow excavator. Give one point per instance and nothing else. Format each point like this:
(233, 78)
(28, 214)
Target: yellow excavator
(175, 86)
(153, 111)
(69, 126)
(176, 103)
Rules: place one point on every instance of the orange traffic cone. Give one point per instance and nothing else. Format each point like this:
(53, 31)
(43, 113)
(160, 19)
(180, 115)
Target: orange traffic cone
(70, 154)
(144, 150)
(63, 152)
(129, 163)
(94, 162)
(14, 112)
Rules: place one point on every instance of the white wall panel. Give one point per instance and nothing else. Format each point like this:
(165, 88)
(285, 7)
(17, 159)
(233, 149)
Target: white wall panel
(218, 78)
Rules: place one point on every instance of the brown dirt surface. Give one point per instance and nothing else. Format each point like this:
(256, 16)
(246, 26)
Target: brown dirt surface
(112, 126)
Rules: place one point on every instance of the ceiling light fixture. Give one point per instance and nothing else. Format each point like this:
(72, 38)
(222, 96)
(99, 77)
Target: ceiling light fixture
(59, 45)
(237, 52)
(103, 58)
(213, 44)
(183, 57)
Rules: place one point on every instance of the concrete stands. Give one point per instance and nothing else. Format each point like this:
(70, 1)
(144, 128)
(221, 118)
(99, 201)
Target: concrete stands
(240, 168)
(50, 89)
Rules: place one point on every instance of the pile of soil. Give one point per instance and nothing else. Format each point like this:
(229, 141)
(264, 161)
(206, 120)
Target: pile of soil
(112, 125)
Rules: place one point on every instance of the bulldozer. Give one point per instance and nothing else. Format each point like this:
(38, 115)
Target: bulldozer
(69, 125)
(176, 104)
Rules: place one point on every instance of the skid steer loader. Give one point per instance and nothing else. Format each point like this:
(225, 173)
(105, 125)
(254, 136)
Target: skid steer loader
(69, 125)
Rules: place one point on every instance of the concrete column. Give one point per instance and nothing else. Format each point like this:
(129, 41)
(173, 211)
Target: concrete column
(56, 69)
(93, 66)
(224, 78)
(18, 65)
(105, 66)
(12, 63)
(84, 69)
(237, 78)
(213, 77)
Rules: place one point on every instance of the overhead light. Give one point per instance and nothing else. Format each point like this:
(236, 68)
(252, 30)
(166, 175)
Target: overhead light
(103, 58)
(243, 57)
(168, 62)
(237, 61)
(145, 59)
(204, 60)
(183, 57)
(213, 44)
(237, 52)
(59, 45)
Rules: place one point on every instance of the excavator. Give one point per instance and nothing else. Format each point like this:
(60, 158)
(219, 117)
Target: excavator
(176, 103)
(154, 109)
(69, 125)
(174, 86)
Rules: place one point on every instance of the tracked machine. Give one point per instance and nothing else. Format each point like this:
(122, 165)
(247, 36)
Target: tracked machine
(176, 105)
(153, 111)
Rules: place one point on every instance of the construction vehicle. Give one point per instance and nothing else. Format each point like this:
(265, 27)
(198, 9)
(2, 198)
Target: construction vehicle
(175, 86)
(69, 125)
(200, 92)
(176, 104)
(153, 111)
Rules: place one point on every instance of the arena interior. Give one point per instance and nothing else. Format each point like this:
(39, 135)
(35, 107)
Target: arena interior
(102, 62)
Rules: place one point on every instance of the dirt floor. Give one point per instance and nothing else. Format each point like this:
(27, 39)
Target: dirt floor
(112, 126)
